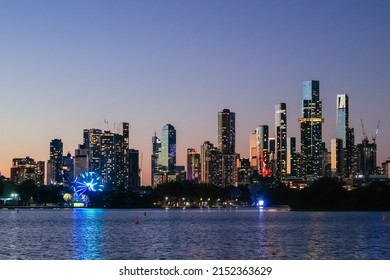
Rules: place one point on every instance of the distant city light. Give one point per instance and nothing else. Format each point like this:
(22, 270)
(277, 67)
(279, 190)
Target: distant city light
(260, 203)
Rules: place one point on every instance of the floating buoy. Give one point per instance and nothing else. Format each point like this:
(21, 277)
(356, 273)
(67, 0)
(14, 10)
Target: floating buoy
(383, 218)
(136, 220)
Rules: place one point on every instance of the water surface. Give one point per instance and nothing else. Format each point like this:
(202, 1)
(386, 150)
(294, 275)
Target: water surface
(227, 233)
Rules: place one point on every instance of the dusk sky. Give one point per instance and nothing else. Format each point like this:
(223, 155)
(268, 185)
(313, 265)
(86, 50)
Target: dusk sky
(70, 65)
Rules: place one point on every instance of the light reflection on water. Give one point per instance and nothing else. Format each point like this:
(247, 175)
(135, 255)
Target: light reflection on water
(88, 234)
(192, 234)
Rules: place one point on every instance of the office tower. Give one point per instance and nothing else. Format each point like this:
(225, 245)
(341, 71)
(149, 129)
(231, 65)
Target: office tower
(134, 169)
(23, 169)
(311, 129)
(226, 132)
(193, 166)
(342, 118)
(211, 164)
(253, 156)
(337, 154)
(156, 149)
(346, 134)
(291, 157)
(262, 134)
(81, 161)
(55, 163)
(281, 139)
(167, 156)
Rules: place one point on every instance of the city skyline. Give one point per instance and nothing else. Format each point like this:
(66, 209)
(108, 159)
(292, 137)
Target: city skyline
(68, 67)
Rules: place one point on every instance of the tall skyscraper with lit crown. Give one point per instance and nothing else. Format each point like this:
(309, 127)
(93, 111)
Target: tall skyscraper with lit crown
(227, 132)
(311, 129)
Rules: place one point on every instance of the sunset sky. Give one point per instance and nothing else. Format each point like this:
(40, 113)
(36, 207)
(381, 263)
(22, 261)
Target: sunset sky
(70, 65)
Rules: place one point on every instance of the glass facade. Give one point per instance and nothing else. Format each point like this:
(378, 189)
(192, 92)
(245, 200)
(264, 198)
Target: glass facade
(167, 157)
(281, 139)
(311, 129)
(227, 132)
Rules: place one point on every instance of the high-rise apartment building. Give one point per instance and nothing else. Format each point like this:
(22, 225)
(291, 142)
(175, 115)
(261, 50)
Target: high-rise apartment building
(281, 139)
(292, 164)
(346, 134)
(311, 129)
(55, 165)
(227, 132)
(113, 167)
(211, 164)
(193, 166)
(92, 144)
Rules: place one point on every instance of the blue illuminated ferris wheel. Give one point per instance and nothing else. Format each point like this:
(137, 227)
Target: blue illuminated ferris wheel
(87, 182)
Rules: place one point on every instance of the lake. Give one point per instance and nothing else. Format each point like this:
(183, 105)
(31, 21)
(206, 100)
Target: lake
(192, 234)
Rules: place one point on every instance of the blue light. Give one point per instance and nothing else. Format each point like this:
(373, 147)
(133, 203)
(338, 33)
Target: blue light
(260, 203)
(87, 182)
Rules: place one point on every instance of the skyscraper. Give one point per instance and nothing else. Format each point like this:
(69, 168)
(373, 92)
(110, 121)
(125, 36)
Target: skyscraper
(253, 155)
(81, 161)
(113, 166)
(134, 169)
(291, 157)
(227, 147)
(55, 163)
(281, 139)
(193, 166)
(342, 118)
(226, 132)
(262, 133)
(211, 164)
(311, 129)
(167, 157)
(92, 143)
(346, 135)
(156, 149)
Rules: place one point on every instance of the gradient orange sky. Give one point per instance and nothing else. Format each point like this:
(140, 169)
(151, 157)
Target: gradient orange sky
(69, 65)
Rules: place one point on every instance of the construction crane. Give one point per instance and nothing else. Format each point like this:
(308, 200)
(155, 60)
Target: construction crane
(376, 132)
(364, 133)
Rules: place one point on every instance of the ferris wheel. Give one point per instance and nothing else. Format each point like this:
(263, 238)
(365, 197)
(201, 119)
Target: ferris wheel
(87, 182)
